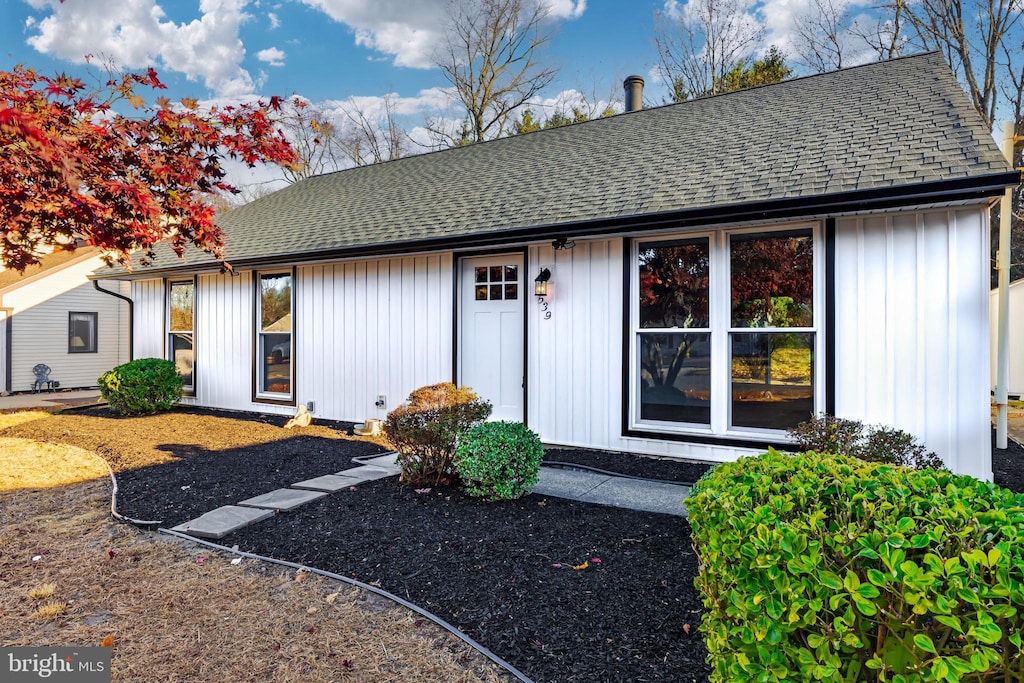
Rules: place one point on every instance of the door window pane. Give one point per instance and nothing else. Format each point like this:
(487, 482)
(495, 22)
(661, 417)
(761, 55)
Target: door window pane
(772, 279)
(772, 379)
(494, 283)
(674, 284)
(675, 377)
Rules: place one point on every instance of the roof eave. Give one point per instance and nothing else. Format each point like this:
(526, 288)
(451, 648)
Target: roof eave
(874, 199)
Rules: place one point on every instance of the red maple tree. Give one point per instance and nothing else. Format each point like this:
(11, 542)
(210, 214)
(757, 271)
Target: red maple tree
(73, 168)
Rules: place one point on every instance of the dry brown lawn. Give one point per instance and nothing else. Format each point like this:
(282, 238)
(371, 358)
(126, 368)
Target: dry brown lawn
(173, 611)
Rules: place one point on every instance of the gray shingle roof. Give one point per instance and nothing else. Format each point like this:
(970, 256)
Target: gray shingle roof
(881, 125)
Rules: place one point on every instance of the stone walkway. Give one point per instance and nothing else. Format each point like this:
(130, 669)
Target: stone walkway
(590, 487)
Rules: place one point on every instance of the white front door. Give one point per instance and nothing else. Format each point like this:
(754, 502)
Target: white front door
(491, 332)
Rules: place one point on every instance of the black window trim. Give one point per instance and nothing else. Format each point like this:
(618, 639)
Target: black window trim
(261, 396)
(188, 390)
(824, 230)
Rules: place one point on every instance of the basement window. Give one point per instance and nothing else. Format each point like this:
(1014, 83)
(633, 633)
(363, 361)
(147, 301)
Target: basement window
(725, 332)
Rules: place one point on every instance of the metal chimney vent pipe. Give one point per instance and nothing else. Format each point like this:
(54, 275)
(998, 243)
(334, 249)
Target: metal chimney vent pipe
(634, 87)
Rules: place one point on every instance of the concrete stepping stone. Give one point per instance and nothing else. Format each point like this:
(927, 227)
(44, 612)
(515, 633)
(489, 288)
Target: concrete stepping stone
(282, 500)
(222, 521)
(329, 483)
(388, 461)
(552, 481)
(367, 473)
(634, 494)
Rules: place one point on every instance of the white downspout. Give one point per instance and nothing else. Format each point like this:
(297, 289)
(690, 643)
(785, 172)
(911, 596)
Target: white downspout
(1003, 262)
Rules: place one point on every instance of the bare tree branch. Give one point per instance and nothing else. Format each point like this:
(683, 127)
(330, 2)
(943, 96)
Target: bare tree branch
(492, 58)
(371, 139)
(974, 36)
(703, 42)
(313, 137)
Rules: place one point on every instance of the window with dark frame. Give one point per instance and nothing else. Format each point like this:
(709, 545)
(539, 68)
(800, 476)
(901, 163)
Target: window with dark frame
(181, 329)
(82, 332)
(724, 332)
(275, 373)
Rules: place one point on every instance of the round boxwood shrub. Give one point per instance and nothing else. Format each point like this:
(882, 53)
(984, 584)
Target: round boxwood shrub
(499, 460)
(829, 568)
(145, 385)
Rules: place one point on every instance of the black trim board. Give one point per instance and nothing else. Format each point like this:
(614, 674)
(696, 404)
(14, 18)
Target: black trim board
(790, 208)
(830, 316)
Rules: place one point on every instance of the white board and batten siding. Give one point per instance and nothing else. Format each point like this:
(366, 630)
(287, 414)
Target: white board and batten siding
(911, 312)
(911, 298)
(910, 338)
(39, 327)
(361, 329)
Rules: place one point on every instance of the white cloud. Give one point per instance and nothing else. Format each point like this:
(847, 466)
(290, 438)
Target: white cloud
(272, 56)
(275, 21)
(137, 34)
(409, 31)
(567, 9)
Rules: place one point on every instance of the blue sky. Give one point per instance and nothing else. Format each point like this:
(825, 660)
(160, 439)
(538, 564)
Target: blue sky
(321, 49)
(341, 53)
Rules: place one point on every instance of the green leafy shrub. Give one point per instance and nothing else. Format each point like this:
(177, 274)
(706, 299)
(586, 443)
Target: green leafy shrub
(499, 460)
(829, 568)
(144, 385)
(425, 430)
(830, 434)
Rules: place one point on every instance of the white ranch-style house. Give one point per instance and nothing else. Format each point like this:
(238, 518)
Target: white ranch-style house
(713, 272)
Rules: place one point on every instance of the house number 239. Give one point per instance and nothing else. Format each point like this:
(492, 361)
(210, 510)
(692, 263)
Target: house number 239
(544, 307)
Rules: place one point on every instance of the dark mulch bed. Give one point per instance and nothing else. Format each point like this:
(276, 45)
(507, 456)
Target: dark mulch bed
(502, 572)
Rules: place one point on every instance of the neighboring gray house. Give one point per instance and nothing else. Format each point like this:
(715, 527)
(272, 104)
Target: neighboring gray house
(51, 314)
(717, 271)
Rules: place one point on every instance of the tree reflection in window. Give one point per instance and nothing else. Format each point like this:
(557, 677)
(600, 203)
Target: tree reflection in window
(772, 279)
(674, 294)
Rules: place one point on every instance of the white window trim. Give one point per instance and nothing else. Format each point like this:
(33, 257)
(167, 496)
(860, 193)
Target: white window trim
(276, 396)
(720, 314)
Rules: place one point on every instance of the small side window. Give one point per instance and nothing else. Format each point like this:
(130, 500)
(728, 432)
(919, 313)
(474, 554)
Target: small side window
(82, 332)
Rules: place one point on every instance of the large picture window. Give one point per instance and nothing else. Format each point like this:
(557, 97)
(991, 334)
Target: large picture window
(181, 296)
(274, 336)
(725, 332)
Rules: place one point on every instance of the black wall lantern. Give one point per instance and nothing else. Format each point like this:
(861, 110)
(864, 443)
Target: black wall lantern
(540, 283)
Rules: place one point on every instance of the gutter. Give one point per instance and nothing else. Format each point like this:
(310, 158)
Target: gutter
(980, 187)
(131, 316)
